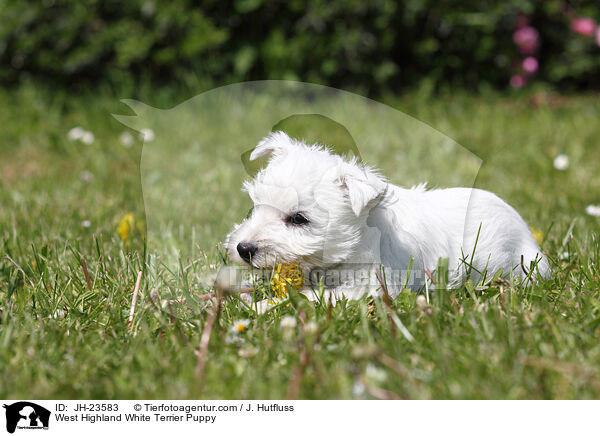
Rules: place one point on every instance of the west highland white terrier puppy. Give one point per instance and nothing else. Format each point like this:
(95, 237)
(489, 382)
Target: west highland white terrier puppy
(346, 226)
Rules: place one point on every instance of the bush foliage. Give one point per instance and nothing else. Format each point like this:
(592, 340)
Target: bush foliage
(375, 46)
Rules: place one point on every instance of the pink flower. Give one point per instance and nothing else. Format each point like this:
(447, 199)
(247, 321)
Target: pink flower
(530, 65)
(583, 26)
(526, 38)
(517, 81)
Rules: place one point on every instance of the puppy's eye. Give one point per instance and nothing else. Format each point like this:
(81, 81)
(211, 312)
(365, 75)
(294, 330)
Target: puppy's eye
(297, 219)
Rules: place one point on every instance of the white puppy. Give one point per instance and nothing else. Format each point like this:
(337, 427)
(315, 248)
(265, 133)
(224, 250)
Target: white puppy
(341, 222)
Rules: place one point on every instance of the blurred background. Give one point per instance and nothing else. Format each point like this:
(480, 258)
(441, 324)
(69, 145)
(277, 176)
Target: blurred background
(514, 82)
(374, 48)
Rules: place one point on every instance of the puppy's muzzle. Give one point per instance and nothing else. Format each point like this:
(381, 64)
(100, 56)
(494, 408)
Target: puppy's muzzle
(246, 250)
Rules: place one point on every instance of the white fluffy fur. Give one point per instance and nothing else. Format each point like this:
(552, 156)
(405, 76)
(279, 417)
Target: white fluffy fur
(358, 222)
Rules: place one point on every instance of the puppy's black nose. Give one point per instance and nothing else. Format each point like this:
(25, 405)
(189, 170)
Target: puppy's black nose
(246, 250)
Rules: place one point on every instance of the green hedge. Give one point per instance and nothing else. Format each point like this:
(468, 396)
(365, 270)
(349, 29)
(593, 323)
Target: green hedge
(373, 46)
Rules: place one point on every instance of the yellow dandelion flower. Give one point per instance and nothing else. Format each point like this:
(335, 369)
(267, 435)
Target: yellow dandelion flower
(126, 226)
(537, 234)
(286, 275)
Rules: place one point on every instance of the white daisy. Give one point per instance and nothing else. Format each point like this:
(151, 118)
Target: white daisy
(86, 176)
(240, 325)
(147, 135)
(311, 327)
(86, 224)
(561, 162)
(358, 389)
(375, 374)
(288, 322)
(593, 210)
(147, 9)
(288, 327)
(87, 138)
(126, 139)
(75, 133)
(281, 359)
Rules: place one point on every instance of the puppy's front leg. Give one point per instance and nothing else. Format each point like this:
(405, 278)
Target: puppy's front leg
(322, 297)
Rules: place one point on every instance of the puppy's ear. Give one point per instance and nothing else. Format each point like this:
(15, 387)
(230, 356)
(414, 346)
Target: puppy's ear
(364, 189)
(274, 144)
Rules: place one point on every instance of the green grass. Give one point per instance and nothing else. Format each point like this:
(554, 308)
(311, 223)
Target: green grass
(500, 341)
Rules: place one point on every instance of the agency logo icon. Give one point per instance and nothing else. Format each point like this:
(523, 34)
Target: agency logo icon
(26, 415)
